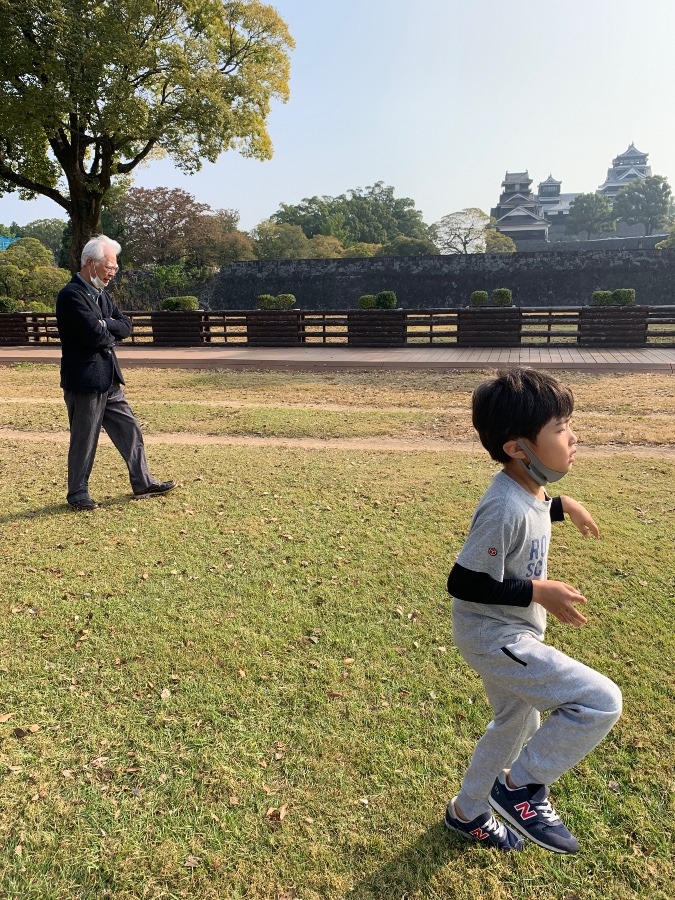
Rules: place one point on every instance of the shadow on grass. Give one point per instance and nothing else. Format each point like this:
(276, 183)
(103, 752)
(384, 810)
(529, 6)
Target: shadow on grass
(411, 872)
(59, 509)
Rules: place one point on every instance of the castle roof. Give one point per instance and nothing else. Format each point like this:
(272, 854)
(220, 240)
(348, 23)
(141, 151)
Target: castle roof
(631, 151)
(549, 180)
(516, 177)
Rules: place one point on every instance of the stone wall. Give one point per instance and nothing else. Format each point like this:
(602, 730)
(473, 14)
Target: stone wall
(537, 279)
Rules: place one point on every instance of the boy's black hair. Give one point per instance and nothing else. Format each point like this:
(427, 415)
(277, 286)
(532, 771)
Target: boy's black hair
(517, 404)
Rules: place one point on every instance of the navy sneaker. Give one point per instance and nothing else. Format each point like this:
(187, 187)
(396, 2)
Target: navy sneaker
(529, 810)
(483, 828)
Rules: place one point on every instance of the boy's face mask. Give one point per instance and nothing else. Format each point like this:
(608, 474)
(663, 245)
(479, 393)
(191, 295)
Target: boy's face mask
(537, 470)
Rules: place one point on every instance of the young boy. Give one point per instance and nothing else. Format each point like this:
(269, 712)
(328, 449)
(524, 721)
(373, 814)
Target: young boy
(501, 596)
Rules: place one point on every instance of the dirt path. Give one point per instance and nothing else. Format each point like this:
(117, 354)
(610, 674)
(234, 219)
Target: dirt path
(377, 444)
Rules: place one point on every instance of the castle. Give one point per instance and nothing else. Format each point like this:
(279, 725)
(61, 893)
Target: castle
(524, 216)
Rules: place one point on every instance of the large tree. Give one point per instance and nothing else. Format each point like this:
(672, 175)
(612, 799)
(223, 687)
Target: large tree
(48, 231)
(496, 242)
(372, 215)
(644, 202)
(461, 232)
(156, 224)
(590, 213)
(272, 241)
(90, 88)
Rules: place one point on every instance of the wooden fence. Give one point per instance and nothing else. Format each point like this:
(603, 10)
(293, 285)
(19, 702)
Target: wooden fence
(578, 326)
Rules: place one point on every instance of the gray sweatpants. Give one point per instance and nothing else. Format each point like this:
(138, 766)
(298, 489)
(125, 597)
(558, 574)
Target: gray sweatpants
(87, 412)
(523, 680)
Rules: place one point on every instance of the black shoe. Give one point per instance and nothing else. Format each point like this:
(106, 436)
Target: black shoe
(154, 490)
(87, 505)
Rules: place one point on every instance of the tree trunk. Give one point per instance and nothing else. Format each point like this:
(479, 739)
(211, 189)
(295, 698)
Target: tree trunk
(85, 215)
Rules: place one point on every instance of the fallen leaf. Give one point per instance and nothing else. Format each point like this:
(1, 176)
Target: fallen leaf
(275, 814)
(15, 769)
(191, 862)
(289, 894)
(613, 786)
(349, 661)
(166, 693)
(5, 717)
(234, 801)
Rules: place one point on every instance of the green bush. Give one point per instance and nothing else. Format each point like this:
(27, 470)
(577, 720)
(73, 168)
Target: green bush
(285, 301)
(8, 304)
(281, 301)
(601, 298)
(386, 300)
(368, 301)
(623, 296)
(38, 307)
(183, 304)
(479, 298)
(267, 301)
(501, 297)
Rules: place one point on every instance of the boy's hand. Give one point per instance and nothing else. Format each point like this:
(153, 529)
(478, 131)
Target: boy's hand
(559, 598)
(580, 517)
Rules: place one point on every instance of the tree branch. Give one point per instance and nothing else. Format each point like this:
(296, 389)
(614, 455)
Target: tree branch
(28, 184)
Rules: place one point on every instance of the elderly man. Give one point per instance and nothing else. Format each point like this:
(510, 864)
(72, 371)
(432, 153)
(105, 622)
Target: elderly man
(89, 326)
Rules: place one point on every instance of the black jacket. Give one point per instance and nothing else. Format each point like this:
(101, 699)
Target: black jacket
(88, 361)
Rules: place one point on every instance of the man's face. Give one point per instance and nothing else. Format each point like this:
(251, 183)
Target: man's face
(106, 269)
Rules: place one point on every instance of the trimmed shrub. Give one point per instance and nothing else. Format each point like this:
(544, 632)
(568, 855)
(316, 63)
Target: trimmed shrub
(368, 301)
(285, 301)
(37, 307)
(601, 298)
(502, 297)
(267, 301)
(479, 298)
(280, 301)
(386, 300)
(623, 296)
(8, 304)
(182, 304)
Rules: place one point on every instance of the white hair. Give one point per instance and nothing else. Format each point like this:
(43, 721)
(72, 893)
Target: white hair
(95, 248)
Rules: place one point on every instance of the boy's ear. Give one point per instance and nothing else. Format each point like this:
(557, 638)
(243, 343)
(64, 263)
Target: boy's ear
(512, 449)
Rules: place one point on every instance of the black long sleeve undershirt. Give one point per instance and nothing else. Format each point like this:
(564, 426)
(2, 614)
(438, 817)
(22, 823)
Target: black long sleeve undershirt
(479, 587)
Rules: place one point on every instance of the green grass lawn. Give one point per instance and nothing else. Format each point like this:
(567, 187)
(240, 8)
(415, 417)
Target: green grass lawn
(248, 688)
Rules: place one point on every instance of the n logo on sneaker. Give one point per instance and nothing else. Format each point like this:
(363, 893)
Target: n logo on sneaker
(479, 833)
(525, 810)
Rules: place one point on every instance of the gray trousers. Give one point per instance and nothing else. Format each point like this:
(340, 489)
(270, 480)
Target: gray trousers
(89, 411)
(583, 705)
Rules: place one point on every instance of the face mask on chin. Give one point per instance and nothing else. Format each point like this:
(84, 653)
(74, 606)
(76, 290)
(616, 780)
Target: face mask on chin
(537, 470)
(96, 281)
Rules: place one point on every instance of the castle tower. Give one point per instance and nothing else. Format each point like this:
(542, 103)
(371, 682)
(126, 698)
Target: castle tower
(626, 168)
(518, 213)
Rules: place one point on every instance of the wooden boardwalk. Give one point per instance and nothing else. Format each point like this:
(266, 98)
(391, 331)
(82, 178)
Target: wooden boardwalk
(316, 358)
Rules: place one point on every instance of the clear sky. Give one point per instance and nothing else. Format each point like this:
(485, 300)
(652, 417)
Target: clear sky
(439, 98)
